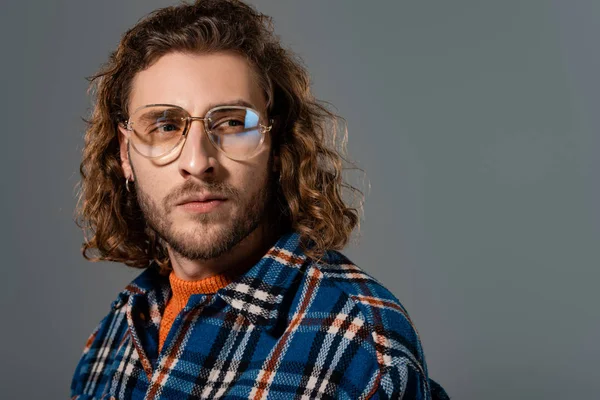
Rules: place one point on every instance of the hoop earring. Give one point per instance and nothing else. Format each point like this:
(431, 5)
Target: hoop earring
(127, 185)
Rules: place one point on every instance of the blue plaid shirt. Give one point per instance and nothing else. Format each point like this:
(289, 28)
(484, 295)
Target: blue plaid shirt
(290, 327)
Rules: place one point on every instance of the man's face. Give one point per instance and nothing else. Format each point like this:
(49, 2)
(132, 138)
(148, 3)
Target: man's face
(200, 231)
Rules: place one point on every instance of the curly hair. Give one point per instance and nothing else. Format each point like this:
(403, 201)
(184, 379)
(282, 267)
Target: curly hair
(311, 186)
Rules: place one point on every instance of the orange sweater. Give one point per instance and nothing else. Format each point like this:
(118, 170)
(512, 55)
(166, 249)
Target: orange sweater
(182, 290)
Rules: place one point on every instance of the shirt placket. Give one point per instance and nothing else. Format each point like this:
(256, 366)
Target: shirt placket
(174, 345)
(137, 315)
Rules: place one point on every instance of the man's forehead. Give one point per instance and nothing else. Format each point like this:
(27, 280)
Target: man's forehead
(197, 82)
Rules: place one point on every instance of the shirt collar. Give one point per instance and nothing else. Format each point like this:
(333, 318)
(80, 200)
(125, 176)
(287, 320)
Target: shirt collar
(257, 294)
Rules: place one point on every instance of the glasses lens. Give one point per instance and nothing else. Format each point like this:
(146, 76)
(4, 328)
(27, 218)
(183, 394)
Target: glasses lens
(236, 131)
(157, 129)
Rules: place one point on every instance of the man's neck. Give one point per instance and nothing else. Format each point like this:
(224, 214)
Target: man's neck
(238, 260)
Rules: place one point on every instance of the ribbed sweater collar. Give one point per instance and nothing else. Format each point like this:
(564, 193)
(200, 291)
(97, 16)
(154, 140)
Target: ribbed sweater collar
(182, 289)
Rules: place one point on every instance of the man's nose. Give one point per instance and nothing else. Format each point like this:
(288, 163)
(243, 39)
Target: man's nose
(198, 156)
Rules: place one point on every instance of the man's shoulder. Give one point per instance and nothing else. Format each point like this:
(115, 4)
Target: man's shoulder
(148, 280)
(340, 272)
(394, 336)
(110, 334)
(386, 317)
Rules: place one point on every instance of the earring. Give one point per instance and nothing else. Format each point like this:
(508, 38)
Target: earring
(127, 184)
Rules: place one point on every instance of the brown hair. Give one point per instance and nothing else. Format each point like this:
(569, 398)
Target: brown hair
(311, 185)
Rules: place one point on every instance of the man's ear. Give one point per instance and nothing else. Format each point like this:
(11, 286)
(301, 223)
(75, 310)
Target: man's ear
(123, 143)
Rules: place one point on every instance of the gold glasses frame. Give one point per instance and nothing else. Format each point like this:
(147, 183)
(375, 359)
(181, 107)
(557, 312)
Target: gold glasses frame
(263, 129)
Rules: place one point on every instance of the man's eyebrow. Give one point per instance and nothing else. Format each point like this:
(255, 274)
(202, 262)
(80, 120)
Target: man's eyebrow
(153, 114)
(238, 102)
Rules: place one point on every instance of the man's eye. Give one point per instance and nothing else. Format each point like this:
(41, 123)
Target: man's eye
(165, 127)
(168, 128)
(232, 122)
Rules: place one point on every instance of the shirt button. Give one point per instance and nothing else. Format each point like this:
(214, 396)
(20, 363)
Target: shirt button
(142, 316)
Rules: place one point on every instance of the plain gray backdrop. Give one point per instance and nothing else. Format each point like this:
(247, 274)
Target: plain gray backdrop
(475, 121)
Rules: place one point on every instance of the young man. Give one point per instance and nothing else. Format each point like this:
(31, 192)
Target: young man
(206, 163)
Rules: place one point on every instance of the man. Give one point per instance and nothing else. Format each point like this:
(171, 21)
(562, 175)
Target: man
(206, 163)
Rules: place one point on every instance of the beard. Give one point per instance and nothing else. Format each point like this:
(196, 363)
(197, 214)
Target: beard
(208, 239)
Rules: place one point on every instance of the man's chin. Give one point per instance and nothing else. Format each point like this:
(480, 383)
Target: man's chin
(218, 215)
(200, 231)
(207, 240)
(198, 245)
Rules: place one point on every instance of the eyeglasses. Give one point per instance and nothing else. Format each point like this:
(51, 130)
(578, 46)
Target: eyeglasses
(157, 129)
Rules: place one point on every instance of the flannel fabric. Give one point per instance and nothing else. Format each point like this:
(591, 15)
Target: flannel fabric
(288, 328)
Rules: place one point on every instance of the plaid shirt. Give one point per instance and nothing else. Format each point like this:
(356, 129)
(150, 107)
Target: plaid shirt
(289, 327)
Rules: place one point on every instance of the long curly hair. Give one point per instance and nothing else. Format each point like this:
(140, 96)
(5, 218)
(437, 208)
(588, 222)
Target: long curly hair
(311, 187)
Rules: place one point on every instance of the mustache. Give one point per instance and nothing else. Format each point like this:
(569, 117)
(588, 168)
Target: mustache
(192, 187)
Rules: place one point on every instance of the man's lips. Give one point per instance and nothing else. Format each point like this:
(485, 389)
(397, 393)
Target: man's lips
(201, 203)
(201, 199)
(202, 206)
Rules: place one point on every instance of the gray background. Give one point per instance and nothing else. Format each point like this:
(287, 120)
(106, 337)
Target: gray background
(476, 122)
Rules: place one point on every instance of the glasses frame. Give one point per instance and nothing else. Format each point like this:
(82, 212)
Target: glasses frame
(263, 129)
